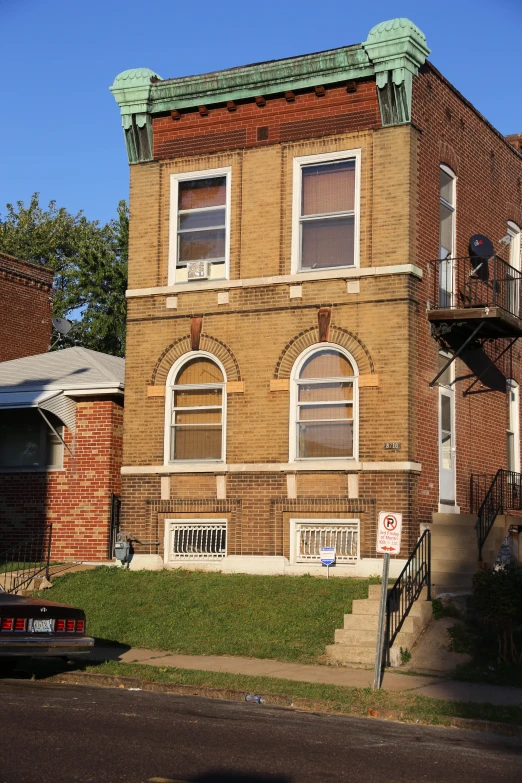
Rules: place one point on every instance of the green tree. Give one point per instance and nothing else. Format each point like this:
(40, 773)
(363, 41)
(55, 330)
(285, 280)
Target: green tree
(89, 262)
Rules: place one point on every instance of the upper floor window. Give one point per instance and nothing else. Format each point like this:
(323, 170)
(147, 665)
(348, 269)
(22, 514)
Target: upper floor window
(326, 211)
(199, 226)
(195, 408)
(513, 273)
(324, 405)
(447, 215)
(513, 429)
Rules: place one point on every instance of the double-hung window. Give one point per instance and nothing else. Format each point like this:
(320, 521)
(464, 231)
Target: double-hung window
(200, 220)
(195, 411)
(447, 214)
(326, 211)
(513, 272)
(325, 406)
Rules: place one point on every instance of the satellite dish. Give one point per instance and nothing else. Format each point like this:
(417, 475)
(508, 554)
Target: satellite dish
(62, 325)
(481, 247)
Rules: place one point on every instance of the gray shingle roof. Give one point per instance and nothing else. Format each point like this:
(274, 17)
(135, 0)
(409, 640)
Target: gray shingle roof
(68, 369)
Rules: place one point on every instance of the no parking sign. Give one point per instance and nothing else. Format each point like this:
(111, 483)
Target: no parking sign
(389, 531)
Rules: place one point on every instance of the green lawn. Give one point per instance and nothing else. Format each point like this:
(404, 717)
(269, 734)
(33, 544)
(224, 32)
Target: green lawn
(283, 617)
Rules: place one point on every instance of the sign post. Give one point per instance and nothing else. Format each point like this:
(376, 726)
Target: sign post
(389, 531)
(327, 554)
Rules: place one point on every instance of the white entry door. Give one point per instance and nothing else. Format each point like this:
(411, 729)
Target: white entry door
(447, 441)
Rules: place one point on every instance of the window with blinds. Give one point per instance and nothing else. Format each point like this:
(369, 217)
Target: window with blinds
(325, 406)
(27, 441)
(202, 220)
(196, 420)
(327, 214)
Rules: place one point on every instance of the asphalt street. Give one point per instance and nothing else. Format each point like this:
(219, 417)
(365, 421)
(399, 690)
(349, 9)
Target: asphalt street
(63, 733)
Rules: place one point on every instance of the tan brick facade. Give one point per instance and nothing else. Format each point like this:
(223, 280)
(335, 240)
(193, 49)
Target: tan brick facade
(378, 314)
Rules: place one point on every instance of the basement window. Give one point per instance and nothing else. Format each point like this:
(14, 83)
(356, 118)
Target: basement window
(309, 536)
(326, 211)
(195, 539)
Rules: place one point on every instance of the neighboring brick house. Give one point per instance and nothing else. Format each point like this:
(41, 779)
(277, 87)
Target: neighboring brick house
(288, 312)
(61, 432)
(26, 293)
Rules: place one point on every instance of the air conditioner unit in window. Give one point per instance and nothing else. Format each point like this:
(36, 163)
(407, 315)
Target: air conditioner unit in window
(198, 270)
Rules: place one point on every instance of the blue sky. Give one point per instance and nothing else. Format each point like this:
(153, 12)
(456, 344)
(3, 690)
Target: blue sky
(60, 132)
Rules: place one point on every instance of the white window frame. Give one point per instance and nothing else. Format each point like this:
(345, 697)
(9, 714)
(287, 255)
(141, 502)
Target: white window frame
(513, 427)
(453, 207)
(167, 541)
(514, 233)
(294, 522)
(55, 433)
(294, 378)
(175, 179)
(170, 388)
(308, 160)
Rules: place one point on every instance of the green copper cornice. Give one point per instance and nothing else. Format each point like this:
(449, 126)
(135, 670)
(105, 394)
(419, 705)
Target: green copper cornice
(397, 49)
(392, 53)
(267, 78)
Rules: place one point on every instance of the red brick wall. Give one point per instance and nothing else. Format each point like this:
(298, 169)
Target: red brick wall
(25, 308)
(76, 499)
(307, 116)
(489, 174)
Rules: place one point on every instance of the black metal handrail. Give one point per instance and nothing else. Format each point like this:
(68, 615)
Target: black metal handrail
(21, 563)
(415, 575)
(466, 282)
(504, 493)
(479, 484)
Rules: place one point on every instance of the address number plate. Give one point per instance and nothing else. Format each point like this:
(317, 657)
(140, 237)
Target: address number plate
(42, 626)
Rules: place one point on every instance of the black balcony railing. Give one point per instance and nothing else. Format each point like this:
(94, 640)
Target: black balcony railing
(469, 282)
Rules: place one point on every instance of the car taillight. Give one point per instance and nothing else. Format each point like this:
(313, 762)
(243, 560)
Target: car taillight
(69, 625)
(6, 624)
(19, 624)
(60, 625)
(80, 626)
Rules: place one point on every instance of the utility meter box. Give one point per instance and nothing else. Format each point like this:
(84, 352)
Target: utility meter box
(122, 550)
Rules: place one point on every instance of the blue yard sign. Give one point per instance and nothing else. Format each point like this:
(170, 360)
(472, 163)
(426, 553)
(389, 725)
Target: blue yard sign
(327, 555)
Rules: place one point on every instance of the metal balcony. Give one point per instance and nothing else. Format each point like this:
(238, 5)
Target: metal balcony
(477, 297)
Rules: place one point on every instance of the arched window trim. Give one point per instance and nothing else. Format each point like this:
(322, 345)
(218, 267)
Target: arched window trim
(170, 387)
(294, 376)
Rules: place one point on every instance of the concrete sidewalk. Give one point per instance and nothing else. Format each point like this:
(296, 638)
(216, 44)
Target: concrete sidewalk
(435, 687)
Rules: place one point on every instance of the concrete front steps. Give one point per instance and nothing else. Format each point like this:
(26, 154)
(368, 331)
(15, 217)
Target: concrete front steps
(454, 550)
(355, 644)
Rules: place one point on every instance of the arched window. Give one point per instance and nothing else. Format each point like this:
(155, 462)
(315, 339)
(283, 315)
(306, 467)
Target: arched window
(324, 405)
(195, 410)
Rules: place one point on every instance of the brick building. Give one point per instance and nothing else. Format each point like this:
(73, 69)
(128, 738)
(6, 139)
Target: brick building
(300, 270)
(25, 308)
(61, 433)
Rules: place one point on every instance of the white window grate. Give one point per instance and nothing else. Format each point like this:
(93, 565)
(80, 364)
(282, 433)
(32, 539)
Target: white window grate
(311, 536)
(197, 540)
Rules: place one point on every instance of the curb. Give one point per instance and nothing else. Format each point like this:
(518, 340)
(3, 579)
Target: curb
(272, 700)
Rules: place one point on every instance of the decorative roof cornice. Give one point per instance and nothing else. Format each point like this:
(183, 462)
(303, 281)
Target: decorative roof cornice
(25, 271)
(393, 52)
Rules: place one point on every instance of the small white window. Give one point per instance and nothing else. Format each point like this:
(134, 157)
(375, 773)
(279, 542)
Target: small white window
(195, 410)
(195, 539)
(326, 198)
(199, 226)
(309, 536)
(324, 405)
(447, 252)
(513, 430)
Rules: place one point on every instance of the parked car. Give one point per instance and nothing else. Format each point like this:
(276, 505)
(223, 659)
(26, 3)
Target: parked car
(32, 626)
